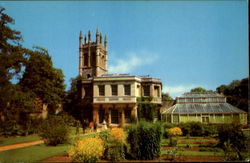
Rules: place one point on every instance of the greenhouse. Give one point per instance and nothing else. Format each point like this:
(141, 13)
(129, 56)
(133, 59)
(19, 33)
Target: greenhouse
(203, 107)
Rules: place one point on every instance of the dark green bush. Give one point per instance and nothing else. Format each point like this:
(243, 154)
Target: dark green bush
(114, 150)
(192, 128)
(144, 140)
(209, 130)
(54, 131)
(168, 125)
(185, 128)
(232, 140)
(166, 133)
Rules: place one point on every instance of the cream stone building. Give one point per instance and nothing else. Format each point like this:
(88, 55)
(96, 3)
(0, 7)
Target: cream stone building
(110, 97)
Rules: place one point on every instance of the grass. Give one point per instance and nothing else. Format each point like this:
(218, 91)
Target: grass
(38, 152)
(32, 154)
(198, 153)
(20, 139)
(23, 139)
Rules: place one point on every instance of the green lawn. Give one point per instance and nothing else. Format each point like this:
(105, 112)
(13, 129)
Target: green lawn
(20, 139)
(38, 152)
(196, 153)
(32, 154)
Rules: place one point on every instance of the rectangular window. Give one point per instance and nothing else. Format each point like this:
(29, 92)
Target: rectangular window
(127, 90)
(205, 119)
(101, 90)
(146, 90)
(127, 116)
(114, 116)
(114, 90)
(157, 91)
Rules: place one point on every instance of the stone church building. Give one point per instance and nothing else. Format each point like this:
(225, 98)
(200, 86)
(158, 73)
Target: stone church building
(110, 97)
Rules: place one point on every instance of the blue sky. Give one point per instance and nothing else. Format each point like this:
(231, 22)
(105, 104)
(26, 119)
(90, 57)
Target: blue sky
(186, 44)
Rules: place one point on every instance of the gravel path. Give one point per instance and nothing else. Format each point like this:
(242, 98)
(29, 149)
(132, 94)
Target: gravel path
(20, 145)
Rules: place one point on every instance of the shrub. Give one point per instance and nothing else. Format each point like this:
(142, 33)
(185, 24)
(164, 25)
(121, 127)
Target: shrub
(118, 135)
(173, 153)
(114, 142)
(166, 133)
(185, 127)
(144, 140)
(172, 142)
(209, 130)
(232, 140)
(168, 125)
(87, 150)
(192, 128)
(176, 131)
(54, 131)
(114, 151)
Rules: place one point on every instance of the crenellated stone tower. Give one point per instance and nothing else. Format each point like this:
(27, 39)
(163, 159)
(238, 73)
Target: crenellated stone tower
(93, 56)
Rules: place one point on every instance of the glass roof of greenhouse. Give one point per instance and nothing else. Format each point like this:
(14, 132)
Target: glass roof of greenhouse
(194, 94)
(184, 108)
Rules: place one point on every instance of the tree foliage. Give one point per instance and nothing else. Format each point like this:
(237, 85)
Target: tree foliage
(25, 75)
(146, 110)
(12, 59)
(198, 90)
(166, 97)
(45, 81)
(232, 138)
(236, 93)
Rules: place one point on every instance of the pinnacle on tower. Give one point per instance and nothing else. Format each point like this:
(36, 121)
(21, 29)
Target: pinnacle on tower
(105, 41)
(97, 37)
(89, 37)
(80, 37)
(85, 39)
(97, 32)
(100, 38)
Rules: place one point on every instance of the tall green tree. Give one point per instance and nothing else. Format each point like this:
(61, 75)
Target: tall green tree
(12, 59)
(45, 81)
(236, 93)
(24, 75)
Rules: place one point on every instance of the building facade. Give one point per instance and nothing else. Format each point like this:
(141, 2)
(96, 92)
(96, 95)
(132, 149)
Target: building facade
(110, 97)
(207, 107)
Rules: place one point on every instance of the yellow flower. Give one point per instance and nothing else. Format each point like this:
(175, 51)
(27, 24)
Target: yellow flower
(118, 134)
(87, 150)
(176, 131)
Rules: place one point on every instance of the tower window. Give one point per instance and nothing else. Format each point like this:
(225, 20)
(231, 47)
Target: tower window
(127, 90)
(85, 59)
(101, 90)
(114, 90)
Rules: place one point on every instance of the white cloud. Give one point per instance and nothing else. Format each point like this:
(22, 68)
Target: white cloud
(175, 91)
(131, 61)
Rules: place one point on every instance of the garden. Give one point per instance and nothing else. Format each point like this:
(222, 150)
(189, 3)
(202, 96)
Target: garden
(156, 141)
